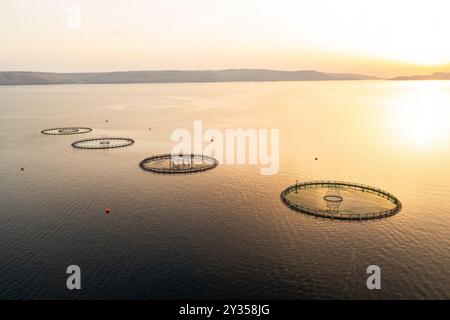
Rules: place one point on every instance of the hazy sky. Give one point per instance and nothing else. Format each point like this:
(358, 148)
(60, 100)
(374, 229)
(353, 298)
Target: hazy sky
(379, 37)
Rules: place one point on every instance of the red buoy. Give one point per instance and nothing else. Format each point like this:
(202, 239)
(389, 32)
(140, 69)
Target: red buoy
(107, 210)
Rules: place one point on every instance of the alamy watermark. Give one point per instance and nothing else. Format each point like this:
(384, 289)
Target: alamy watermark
(74, 280)
(232, 146)
(73, 21)
(374, 280)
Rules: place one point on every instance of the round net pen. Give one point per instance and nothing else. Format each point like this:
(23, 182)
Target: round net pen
(66, 131)
(341, 200)
(178, 163)
(102, 143)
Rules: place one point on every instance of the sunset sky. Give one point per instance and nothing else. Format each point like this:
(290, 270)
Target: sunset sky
(383, 38)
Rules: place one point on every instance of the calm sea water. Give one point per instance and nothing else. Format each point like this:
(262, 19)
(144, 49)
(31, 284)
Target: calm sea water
(223, 233)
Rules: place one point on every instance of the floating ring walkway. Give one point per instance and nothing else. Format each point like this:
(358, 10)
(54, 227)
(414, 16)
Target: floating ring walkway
(66, 131)
(178, 163)
(103, 143)
(344, 214)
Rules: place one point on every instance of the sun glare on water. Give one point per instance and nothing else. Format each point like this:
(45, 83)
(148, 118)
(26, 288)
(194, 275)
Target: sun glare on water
(419, 117)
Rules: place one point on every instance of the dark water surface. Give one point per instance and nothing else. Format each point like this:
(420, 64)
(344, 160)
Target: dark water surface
(222, 233)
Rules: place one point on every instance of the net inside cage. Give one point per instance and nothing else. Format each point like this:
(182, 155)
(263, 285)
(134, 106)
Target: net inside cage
(333, 198)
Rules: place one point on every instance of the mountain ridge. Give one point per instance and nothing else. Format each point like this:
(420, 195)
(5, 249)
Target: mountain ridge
(171, 76)
(433, 76)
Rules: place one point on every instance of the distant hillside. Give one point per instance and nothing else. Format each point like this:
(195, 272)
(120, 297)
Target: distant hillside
(434, 76)
(351, 76)
(169, 76)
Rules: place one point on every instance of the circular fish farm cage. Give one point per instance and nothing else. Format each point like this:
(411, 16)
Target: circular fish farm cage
(103, 143)
(341, 200)
(66, 131)
(178, 163)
